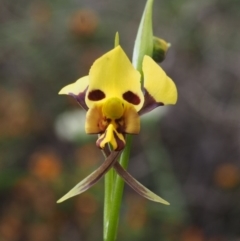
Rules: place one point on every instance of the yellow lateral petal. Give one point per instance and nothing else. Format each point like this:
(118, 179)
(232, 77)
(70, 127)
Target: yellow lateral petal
(157, 83)
(131, 120)
(75, 88)
(114, 75)
(95, 123)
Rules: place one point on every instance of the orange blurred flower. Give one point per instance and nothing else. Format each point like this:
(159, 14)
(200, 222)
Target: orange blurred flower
(227, 176)
(45, 165)
(83, 23)
(40, 232)
(86, 204)
(193, 234)
(15, 112)
(136, 214)
(88, 156)
(10, 228)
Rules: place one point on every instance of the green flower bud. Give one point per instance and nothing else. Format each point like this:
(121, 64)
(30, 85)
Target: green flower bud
(160, 48)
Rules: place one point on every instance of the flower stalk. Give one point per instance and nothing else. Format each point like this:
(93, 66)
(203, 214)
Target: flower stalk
(143, 46)
(109, 182)
(112, 211)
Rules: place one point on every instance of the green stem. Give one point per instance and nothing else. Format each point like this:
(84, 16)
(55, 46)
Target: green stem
(108, 183)
(111, 224)
(113, 183)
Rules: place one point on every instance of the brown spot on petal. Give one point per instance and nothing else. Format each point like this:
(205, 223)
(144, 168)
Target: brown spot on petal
(132, 98)
(96, 95)
(120, 125)
(149, 104)
(120, 143)
(99, 140)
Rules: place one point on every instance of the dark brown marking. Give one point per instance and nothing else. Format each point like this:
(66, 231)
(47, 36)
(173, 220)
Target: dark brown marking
(132, 98)
(96, 95)
(120, 143)
(149, 104)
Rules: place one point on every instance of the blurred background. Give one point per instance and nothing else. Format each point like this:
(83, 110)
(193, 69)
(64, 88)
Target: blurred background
(189, 153)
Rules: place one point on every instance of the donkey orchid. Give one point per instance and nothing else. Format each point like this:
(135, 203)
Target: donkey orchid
(114, 99)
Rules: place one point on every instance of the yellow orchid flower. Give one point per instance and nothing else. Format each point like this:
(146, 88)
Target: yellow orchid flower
(114, 99)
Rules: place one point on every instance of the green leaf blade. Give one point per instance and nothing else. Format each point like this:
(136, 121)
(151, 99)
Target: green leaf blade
(144, 40)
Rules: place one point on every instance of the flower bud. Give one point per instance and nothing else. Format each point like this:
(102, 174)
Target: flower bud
(160, 48)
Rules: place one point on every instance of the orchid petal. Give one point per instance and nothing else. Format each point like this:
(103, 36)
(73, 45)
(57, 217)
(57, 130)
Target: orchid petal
(113, 75)
(158, 85)
(77, 90)
(95, 122)
(93, 178)
(149, 104)
(131, 120)
(113, 137)
(137, 186)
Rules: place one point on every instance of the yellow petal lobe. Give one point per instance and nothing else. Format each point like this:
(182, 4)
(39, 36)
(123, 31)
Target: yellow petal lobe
(75, 88)
(95, 122)
(157, 83)
(131, 120)
(114, 75)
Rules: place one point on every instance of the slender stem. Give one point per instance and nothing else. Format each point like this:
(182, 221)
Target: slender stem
(111, 225)
(114, 190)
(108, 185)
